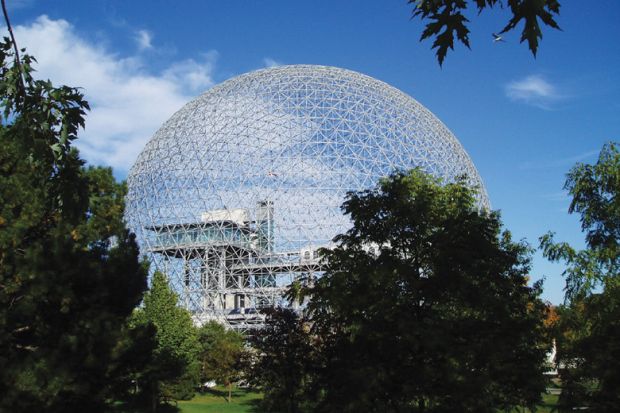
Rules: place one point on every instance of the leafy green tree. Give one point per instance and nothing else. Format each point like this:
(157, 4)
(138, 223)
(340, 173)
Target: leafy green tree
(424, 306)
(595, 190)
(588, 334)
(447, 20)
(281, 361)
(221, 351)
(68, 281)
(173, 372)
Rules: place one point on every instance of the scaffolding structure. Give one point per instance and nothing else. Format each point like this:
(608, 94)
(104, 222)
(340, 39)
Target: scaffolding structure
(234, 195)
(229, 266)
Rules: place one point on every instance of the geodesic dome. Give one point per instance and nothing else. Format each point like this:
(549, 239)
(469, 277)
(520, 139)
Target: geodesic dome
(234, 194)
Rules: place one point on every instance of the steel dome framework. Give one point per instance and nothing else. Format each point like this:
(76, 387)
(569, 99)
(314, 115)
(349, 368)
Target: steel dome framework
(233, 196)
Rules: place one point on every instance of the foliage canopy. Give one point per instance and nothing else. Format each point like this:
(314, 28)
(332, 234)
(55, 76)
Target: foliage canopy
(595, 190)
(221, 351)
(173, 371)
(424, 306)
(588, 330)
(281, 361)
(69, 270)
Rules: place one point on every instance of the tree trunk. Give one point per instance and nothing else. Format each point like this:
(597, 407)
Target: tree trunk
(154, 396)
(229, 391)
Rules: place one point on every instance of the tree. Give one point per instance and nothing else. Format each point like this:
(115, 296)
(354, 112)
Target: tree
(587, 336)
(173, 372)
(67, 281)
(282, 358)
(595, 190)
(221, 351)
(588, 332)
(447, 19)
(130, 364)
(424, 306)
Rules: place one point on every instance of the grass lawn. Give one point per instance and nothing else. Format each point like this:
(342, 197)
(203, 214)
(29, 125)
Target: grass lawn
(548, 405)
(214, 401)
(245, 401)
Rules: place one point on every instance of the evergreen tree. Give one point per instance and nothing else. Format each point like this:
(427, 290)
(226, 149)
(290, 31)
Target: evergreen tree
(173, 371)
(69, 270)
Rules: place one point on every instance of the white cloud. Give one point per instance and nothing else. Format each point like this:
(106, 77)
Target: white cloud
(128, 103)
(534, 90)
(269, 62)
(196, 75)
(144, 39)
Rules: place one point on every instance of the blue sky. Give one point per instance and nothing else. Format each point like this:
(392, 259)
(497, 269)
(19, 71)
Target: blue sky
(524, 121)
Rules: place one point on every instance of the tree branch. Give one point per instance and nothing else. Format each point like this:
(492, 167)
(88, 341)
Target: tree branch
(17, 61)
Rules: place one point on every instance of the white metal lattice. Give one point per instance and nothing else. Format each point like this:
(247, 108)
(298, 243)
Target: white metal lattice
(235, 193)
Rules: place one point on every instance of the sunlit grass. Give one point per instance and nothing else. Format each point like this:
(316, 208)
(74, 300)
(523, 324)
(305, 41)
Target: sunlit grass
(548, 405)
(215, 401)
(246, 401)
